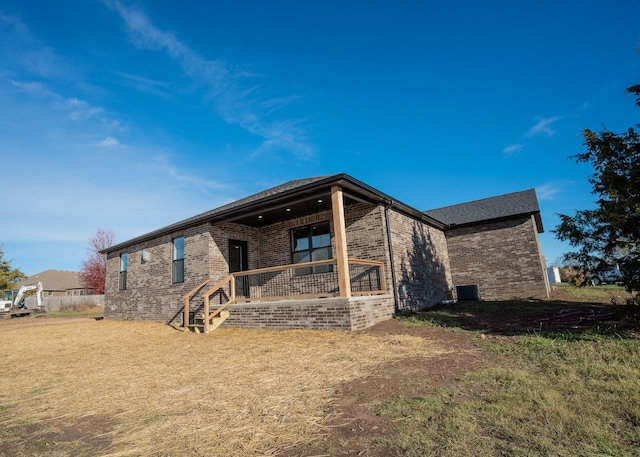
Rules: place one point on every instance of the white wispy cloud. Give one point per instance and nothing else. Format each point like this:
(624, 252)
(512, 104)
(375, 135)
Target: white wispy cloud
(74, 108)
(233, 97)
(163, 166)
(33, 87)
(108, 142)
(512, 149)
(88, 168)
(80, 109)
(142, 84)
(25, 53)
(550, 190)
(543, 127)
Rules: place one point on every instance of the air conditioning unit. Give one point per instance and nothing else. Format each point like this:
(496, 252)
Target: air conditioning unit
(468, 292)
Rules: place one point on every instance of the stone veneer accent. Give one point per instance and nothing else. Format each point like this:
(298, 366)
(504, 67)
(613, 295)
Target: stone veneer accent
(502, 258)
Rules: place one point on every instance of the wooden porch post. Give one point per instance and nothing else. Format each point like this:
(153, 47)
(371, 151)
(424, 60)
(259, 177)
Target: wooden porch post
(185, 319)
(342, 257)
(206, 314)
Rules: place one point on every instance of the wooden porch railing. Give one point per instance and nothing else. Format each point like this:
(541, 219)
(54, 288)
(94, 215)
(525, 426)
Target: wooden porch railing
(286, 282)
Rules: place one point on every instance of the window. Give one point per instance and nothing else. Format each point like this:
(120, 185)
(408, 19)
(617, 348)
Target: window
(311, 243)
(178, 259)
(124, 261)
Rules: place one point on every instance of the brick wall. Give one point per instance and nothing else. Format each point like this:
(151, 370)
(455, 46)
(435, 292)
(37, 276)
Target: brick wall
(503, 259)
(368, 311)
(320, 314)
(367, 236)
(151, 296)
(150, 293)
(421, 263)
(221, 234)
(275, 242)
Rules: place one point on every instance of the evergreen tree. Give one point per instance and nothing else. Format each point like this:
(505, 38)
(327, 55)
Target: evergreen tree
(8, 276)
(610, 233)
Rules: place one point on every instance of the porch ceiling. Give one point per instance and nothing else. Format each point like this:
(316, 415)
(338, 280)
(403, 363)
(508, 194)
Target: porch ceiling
(287, 209)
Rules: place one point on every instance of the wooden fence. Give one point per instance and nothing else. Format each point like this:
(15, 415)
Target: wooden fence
(67, 302)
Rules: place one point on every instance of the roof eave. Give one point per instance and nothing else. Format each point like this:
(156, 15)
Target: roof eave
(352, 186)
(536, 216)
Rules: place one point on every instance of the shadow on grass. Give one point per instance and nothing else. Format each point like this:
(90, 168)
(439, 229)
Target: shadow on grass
(518, 317)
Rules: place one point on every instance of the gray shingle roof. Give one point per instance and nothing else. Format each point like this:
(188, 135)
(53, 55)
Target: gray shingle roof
(488, 209)
(53, 280)
(279, 189)
(504, 206)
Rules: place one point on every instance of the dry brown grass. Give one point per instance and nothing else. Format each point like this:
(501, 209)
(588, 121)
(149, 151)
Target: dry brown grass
(164, 392)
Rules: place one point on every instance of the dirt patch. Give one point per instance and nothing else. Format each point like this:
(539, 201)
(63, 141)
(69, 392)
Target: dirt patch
(232, 392)
(355, 427)
(358, 427)
(89, 437)
(131, 398)
(43, 321)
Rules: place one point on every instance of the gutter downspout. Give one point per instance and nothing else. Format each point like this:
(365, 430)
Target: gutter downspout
(396, 305)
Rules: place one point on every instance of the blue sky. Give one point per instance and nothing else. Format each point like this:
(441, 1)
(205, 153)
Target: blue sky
(129, 116)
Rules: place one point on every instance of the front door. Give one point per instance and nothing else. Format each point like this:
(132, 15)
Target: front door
(238, 262)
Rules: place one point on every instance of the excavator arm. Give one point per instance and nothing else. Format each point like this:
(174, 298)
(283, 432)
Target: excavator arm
(15, 309)
(26, 288)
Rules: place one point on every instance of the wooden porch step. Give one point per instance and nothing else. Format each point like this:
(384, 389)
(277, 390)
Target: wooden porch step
(216, 321)
(198, 326)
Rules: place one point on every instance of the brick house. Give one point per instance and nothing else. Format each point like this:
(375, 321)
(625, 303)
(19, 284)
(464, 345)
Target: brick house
(326, 252)
(56, 283)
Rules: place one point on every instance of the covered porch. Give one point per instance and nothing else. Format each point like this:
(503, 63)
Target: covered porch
(279, 284)
(341, 277)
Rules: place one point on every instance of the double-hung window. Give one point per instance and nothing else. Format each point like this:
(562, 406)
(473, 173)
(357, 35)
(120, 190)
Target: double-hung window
(309, 244)
(178, 260)
(124, 261)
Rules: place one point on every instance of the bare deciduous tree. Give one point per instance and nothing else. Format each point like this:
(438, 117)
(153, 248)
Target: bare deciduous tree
(93, 269)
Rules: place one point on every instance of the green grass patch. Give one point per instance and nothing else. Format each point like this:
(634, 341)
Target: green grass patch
(565, 391)
(606, 293)
(572, 399)
(524, 317)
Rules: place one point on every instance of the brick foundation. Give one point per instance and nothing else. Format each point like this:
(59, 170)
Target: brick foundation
(355, 313)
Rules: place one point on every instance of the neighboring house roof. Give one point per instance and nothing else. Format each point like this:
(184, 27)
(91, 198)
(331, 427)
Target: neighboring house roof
(502, 207)
(54, 280)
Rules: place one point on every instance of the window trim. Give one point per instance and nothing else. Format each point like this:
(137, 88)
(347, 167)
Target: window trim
(124, 267)
(310, 250)
(177, 264)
